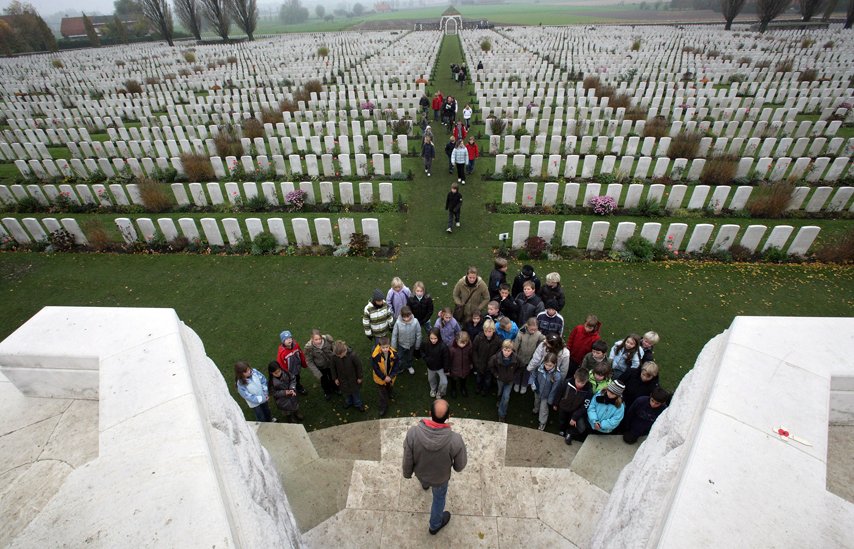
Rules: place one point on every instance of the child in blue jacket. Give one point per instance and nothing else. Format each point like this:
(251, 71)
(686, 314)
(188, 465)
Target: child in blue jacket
(252, 386)
(606, 410)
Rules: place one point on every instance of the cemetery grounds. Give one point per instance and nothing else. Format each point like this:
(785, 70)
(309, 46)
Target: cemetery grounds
(238, 303)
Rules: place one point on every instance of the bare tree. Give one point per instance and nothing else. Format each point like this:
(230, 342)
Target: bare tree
(809, 8)
(160, 16)
(730, 10)
(189, 13)
(849, 17)
(768, 10)
(245, 13)
(216, 12)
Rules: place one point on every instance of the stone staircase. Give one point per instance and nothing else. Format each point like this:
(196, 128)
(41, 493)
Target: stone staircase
(346, 490)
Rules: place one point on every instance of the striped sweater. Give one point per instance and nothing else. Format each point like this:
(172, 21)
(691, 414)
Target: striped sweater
(377, 321)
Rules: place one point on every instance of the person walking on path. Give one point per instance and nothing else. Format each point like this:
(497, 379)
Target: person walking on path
(428, 153)
(460, 157)
(430, 450)
(454, 204)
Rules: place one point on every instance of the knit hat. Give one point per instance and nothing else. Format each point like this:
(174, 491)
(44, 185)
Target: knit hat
(378, 295)
(285, 335)
(551, 304)
(616, 387)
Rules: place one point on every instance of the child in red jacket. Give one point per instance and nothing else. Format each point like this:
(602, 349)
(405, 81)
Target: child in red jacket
(580, 341)
(288, 347)
(474, 152)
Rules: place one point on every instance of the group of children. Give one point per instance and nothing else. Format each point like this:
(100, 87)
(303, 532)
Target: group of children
(517, 344)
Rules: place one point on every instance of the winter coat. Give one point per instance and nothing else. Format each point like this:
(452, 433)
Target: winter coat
(424, 102)
(278, 387)
(483, 349)
(473, 150)
(472, 330)
(504, 370)
(527, 273)
(449, 148)
(529, 307)
(436, 103)
(508, 307)
(589, 362)
(575, 401)
(377, 321)
(646, 354)
(580, 342)
(636, 387)
(525, 344)
(406, 335)
(450, 109)
(550, 324)
(319, 359)
(460, 358)
(540, 355)
(430, 450)
(382, 367)
(396, 300)
(453, 201)
(347, 370)
(467, 112)
(422, 309)
(435, 356)
(254, 391)
(555, 294)
(475, 297)
(448, 330)
(460, 132)
(606, 414)
(547, 384)
(511, 335)
(428, 150)
(496, 279)
(285, 353)
(640, 417)
(621, 361)
(598, 385)
(460, 155)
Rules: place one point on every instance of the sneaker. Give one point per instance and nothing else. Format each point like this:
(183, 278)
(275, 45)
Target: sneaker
(535, 410)
(433, 394)
(463, 182)
(542, 427)
(459, 180)
(428, 174)
(562, 433)
(568, 439)
(275, 420)
(412, 370)
(458, 224)
(446, 518)
(439, 395)
(516, 388)
(523, 390)
(449, 230)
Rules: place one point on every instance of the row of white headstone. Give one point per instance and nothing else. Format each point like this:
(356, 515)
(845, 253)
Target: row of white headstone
(703, 196)
(116, 194)
(820, 169)
(672, 238)
(31, 229)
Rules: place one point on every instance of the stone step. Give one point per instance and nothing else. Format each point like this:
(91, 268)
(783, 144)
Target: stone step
(601, 459)
(288, 443)
(534, 448)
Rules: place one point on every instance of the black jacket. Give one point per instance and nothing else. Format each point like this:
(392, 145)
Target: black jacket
(555, 294)
(496, 279)
(435, 356)
(635, 386)
(454, 201)
(528, 308)
(422, 309)
(574, 401)
(527, 273)
(449, 148)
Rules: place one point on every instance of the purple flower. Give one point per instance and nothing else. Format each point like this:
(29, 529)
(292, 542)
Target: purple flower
(602, 205)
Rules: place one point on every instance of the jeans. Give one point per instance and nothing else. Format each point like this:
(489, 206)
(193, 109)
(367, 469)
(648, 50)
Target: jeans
(435, 114)
(453, 215)
(262, 412)
(542, 403)
(405, 358)
(470, 167)
(440, 493)
(354, 399)
(504, 390)
(428, 163)
(438, 381)
(468, 122)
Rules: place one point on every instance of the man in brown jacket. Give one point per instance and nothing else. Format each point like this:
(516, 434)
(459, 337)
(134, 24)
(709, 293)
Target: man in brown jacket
(430, 450)
(471, 294)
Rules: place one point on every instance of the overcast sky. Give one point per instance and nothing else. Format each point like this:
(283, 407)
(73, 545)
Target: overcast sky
(47, 7)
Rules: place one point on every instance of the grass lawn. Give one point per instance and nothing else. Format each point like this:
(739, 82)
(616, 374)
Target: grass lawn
(239, 304)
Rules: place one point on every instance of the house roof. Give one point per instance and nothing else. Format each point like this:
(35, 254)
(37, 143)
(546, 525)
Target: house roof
(73, 26)
(451, 11)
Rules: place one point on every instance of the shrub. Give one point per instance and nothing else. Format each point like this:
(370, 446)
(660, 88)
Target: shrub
(635, 113)
(133, 87)
(295, 200)
(685, 145)
(252, 128)
(152, 80)
(829, 45)
(719, 169)
(655, 127)
(535, 247)
(97, 235)
(57, 63)
(744, 60)
(61, 241)
(807, 42)
(322, 51)
(713, 54)
(606, 91)
(808, 75)
(602, 205)
(636, 44)
(358, 244)
(485, 45)
(840, 250)
(184, 72)
(154, 196)
(197, 167)
(736, 78)
(640, 248)
(623, 100)
(740, 253)
(312, 86)
(231, 60)
(497, 125)
(400, 127)
(784, 66)
(189, 57)
(227, 143)
(264, 243)
(764, 64)
(286, 105)
(591, 82)
(120, 63)
(771, 200)
(774, 254)
(649, 207)
(271, 116)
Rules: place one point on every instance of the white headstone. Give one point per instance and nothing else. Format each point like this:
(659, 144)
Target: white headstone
(598, 234)
(521, 230)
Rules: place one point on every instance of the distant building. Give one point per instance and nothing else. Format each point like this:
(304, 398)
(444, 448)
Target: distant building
(382, 7)
(73, 27)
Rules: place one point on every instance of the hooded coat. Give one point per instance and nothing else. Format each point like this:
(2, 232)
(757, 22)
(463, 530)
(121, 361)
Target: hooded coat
(461, 363)
(483, 349)
(580, 342)
(527, 273)
(347, 370)
(430, 450)
(604, 412)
